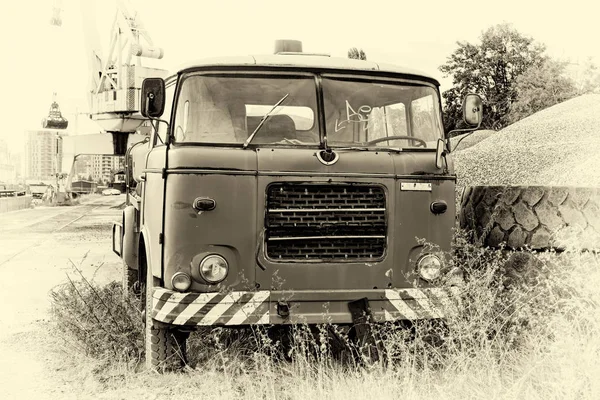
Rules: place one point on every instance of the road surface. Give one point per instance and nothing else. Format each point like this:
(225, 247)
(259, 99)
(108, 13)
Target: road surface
(36, 249)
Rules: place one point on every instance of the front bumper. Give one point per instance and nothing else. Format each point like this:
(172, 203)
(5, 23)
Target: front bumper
(303, 306)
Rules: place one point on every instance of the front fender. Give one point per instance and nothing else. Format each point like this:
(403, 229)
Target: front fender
(131, 237)
(148, 247)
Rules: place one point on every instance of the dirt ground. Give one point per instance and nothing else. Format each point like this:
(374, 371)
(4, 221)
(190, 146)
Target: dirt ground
(36, 249)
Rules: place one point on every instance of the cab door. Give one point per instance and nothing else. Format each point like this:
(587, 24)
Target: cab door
(154, 185)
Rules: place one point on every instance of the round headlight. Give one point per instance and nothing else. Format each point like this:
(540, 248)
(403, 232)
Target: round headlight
(214, 268)
(429, 267)
(181, 281)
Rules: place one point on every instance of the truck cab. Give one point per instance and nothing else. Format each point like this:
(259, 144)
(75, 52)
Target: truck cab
(284, 188)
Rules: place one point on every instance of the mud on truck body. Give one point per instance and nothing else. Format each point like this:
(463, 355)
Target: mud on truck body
(287, 189)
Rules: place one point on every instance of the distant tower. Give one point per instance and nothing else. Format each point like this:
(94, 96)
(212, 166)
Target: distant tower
(43, 154)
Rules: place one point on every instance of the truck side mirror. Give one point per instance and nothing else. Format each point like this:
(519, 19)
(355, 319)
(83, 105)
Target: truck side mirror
(440, 154)
(472, 109)
(153, 97)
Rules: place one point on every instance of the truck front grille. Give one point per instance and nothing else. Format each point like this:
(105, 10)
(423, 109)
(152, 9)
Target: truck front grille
(336, 222)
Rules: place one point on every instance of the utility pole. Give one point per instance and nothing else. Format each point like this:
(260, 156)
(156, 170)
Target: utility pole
(56, 169)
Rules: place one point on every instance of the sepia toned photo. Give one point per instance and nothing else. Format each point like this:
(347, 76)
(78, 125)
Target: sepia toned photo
(300, 200)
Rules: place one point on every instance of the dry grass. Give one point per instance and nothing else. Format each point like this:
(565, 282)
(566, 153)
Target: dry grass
(534, 338)
(97, 321)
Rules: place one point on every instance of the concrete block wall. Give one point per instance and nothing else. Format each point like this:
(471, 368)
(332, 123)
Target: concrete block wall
(14, 203)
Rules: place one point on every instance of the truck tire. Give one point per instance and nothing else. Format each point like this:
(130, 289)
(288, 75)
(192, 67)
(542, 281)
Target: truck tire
(165, 348)
(535, 217)
(523, 268)
(130, 278)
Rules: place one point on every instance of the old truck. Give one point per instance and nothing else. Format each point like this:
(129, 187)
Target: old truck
(284, 189)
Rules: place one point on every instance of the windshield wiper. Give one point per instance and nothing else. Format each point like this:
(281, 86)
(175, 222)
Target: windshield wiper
(262, 121)
(359, 148)
(365, 148)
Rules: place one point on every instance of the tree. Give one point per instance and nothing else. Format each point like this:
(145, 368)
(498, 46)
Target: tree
(489, 69)
(357, 54)
(589, 79)
(540, 87)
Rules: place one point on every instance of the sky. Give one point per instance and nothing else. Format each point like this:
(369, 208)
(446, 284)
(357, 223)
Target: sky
(39, 59)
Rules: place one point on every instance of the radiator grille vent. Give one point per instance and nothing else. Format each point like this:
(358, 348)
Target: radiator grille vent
(325, 222)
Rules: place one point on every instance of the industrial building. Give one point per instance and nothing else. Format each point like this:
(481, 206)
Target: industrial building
(43, 153)
(103, 166)
(8, 171)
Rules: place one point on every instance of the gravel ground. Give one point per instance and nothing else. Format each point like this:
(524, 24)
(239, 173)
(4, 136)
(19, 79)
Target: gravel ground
(559, 146)
(470, 139)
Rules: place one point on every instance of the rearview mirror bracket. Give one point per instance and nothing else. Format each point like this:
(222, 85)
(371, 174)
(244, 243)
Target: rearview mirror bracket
(440, 155)
(472, 108)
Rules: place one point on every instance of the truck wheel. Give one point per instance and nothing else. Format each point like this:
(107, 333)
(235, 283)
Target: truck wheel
(130, 278)
(537, 217)
(165, 348)
(524, 268)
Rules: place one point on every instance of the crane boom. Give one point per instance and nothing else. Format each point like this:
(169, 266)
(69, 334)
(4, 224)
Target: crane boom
(114, 91)
(92, 46)
(114, 86)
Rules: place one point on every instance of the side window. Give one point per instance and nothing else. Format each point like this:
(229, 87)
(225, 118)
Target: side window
(162, 127)
(387, 121)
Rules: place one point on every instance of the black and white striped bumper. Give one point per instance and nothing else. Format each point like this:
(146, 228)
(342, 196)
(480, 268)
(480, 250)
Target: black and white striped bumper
(260, 307)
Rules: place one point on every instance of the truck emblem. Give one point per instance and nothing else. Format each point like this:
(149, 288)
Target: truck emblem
(328, 157)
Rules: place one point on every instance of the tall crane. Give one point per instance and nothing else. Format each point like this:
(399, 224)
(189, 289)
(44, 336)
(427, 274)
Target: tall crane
(115, 80)
(56, 19)
(113, 92)
(55, 120)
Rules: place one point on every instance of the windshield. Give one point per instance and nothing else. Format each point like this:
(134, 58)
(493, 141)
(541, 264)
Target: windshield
(228, 108)
(357, 113)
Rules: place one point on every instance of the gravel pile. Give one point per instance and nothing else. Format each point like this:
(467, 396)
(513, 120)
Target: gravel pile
(470, 139)
(558, 146)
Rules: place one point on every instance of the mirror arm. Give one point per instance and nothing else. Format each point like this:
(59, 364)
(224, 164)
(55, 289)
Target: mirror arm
(441, 156)
(151, 97)
(469, 130)
(168, 136)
